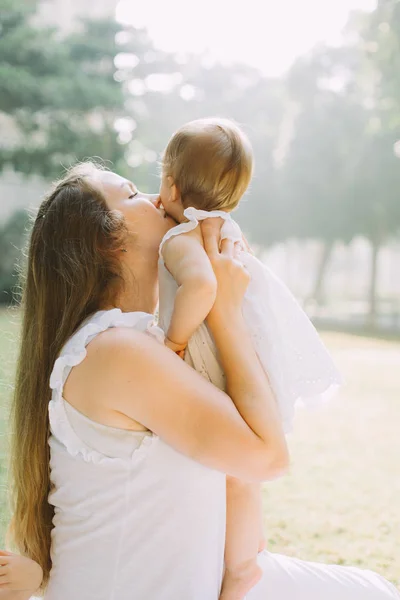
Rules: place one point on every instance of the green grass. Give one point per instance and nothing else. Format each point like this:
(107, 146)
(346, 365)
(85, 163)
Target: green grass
(340, 501)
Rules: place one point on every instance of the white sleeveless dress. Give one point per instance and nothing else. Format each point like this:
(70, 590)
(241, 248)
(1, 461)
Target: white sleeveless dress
(300, 369)
(137, 520)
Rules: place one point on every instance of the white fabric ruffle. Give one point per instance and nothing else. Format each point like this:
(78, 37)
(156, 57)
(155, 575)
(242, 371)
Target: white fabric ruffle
(72, 354)
(229, 230)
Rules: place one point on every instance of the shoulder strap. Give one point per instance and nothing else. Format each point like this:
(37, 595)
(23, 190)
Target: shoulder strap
(229, 230)
(73, 353)
(181, 228)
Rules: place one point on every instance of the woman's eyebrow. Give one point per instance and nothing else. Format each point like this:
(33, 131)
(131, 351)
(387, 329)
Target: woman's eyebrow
(129, 184)
(132, 186)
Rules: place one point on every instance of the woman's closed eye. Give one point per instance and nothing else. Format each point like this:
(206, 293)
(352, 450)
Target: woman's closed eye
(133, 189)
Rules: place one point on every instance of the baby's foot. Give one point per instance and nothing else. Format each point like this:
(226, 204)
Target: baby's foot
(237, 583)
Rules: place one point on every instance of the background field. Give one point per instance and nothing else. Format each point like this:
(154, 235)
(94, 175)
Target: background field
(340, 501)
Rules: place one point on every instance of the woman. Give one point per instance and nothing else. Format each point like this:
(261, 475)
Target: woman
(140, 443)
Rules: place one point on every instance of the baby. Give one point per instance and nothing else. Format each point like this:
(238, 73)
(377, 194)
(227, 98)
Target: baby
(207, 167)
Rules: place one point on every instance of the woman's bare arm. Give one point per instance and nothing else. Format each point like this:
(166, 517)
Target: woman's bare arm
(247, 385)
(145, 381)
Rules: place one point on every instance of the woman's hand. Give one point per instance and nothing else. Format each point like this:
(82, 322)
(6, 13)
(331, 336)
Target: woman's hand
(18, 573)
(232, 277)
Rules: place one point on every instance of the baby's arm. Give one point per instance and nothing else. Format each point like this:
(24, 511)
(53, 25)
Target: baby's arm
(20, 577)
(188, 263)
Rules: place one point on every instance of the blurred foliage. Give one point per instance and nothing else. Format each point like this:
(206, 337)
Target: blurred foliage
(59, 95)
(12, 242)
(323, 135)
(381, 35)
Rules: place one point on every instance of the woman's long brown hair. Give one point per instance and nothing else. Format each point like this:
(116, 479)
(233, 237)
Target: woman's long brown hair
(72, 269)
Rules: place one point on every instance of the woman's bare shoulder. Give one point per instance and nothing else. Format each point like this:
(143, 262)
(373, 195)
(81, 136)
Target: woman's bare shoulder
(117, 362)
(117, 347)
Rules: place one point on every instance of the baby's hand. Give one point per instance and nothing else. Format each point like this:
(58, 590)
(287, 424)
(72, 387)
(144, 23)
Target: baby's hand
(179, 349)
(18, 573)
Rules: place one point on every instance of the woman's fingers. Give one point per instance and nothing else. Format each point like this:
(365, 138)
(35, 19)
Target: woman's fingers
(231, 249)
(246, 245)
(227, 247)
(211, 230)
(237, 250)
(214, 246)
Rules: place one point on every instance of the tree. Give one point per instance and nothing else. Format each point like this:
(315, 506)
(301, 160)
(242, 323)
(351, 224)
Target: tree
(60, 99)
(378, 171)
(380, 36)
(377, 212)
(318, 170)
(340, 177)
(12, 242)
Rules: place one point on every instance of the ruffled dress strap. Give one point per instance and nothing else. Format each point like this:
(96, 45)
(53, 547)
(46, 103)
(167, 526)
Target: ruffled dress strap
(72, 354)
(229, 230)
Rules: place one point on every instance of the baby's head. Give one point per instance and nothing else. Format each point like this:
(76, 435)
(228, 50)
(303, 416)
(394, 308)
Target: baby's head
(207, 164)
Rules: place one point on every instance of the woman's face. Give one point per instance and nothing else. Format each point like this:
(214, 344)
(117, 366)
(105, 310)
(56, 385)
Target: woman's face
(144, 217)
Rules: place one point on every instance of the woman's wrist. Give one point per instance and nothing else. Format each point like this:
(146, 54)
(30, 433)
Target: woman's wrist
(227, 328)
(221, 319)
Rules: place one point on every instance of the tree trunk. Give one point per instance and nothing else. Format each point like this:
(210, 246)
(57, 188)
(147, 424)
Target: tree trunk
(372, 314)
(318, 292)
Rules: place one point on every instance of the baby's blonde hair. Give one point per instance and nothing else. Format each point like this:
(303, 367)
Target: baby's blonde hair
(210, 162)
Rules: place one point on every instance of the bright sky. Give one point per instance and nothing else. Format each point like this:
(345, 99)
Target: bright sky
(268, 34)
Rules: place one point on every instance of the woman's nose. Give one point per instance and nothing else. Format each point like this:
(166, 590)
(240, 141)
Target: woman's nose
(155, 200)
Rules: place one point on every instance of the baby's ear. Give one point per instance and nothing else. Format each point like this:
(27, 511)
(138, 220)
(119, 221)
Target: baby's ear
(175, 193)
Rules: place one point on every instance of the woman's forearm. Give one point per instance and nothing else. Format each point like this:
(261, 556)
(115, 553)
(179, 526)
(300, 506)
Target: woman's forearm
(248, 385)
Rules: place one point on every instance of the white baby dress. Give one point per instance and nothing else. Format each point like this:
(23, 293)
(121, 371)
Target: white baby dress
(298, 365)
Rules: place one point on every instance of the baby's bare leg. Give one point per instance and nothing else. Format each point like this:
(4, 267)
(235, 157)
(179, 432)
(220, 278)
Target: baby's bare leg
(243, 539)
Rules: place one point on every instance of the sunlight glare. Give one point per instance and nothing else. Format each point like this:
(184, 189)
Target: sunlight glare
(266, 34)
